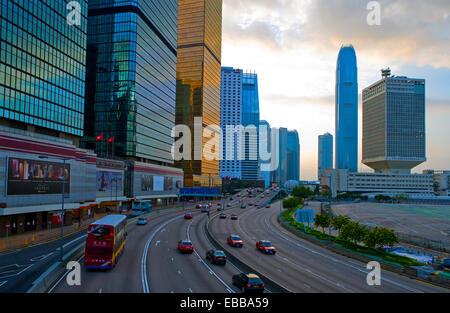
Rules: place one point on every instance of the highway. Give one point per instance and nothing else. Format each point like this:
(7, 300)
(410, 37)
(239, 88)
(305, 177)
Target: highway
(152, 263)
(300, 266)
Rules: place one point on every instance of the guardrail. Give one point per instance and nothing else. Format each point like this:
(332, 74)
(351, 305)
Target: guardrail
(269, 283)
(44, 282)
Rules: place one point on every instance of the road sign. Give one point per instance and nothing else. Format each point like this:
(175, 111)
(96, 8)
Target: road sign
(8, 226)
(305, 216)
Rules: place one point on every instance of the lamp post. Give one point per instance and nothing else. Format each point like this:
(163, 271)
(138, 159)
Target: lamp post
(63, 191)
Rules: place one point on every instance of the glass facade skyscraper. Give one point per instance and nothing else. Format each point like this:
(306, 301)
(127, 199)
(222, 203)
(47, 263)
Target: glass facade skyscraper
(265, 140)
(280, 173)
(198, 82)
(293, 156)
(325, 153)
(131, 86)
(346, 110)
(250, 118)
(394, 124)
(42, 67)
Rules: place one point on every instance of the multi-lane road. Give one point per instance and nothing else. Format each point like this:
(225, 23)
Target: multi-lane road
(151, 261)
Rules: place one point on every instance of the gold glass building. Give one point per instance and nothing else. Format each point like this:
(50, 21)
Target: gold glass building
(198, 83)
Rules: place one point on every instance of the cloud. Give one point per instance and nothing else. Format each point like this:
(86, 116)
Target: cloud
(411, 31)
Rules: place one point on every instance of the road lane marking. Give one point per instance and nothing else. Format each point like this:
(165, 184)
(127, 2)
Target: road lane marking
(157, 243)
(341, 262)
(3, 282)
(42, 257)
(228, 288)
(15, 271)
(190, 290)
(144, 278)
(75, 240)
(100, 291)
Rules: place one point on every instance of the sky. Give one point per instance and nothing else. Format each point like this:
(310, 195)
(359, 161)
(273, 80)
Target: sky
(293, 46)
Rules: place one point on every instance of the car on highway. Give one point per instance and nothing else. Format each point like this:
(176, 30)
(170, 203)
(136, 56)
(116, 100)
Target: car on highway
(235, 241)
(238, 195)
(185, 246)
(222, 215)
(234, 216)
(198, 206)
(267, 191)
(188, 215)
(243, 206)
(268, 206)
(266, 247)
(191, 201)
(218, 203)
(248, 282)
(229, 205)
(205, 208)
(216, 257)
(231, 198)
(261, 196)
(141, 221)
(221, 208)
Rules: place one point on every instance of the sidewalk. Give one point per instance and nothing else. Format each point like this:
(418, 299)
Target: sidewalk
(34, 238)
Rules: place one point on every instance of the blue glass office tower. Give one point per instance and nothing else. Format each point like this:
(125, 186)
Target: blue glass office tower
(280, 174)
(131, 85)
(42, 67)
(266, 141)
(293, 156)
(325, 153)
(347, 110)
(250, 117)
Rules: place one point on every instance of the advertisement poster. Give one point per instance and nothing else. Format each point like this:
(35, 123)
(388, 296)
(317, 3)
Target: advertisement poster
(109, 181)
(29, 177)
(146, 183)
(158, 183)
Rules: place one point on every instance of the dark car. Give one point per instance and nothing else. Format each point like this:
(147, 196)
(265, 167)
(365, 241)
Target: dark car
(216, 257)
(235, 241)
(234, 216)
(205, 208)
(222, 215)
(446, 263)
(266, 247)
(185, 246)
(243, 206)
(248, 282)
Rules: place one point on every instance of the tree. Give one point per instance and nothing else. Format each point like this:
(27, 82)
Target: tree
(380, 236)
(339, 221)
(291, 202)
(353, 231)
(317, 190)
(302, 192)
(322, 220)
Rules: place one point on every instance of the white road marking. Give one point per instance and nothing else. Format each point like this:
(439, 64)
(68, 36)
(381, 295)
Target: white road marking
(15, 270)
(100, 291)
(3, 282)
(42, 257)
(190, 290)
(157, 243)
(75, 240)
(229, 289)
(144, 278)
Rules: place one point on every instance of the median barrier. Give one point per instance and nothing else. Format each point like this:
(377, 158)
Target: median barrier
(269, 283)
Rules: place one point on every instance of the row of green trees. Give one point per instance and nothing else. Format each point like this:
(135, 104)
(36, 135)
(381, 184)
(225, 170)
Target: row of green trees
(355, 232)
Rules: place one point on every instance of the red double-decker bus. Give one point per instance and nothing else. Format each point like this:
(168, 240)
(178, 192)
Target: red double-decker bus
(105, 242)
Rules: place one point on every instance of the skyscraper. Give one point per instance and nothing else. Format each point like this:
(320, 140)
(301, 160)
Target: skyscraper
(131, 84)
(198, 81)
(346, 110)
(250, 120)
(231, 115)
(240, 116)
(325, 153)
(293, 156)
(280, 173)
(265, 140)
(394, 124)
(42, 68)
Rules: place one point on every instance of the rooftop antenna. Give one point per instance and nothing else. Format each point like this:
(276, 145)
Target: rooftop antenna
(386, 72)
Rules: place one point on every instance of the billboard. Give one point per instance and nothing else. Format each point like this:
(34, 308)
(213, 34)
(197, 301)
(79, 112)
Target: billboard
(30, 177)
(158, 183)
(305, 216)
(109, 181)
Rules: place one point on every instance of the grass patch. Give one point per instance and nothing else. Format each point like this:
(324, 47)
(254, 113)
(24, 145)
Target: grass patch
(288, 216)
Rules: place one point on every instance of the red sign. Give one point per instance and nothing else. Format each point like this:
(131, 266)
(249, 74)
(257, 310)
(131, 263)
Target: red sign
(8, 226)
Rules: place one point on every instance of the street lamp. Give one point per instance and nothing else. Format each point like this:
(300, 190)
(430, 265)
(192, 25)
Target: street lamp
(63, 190)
